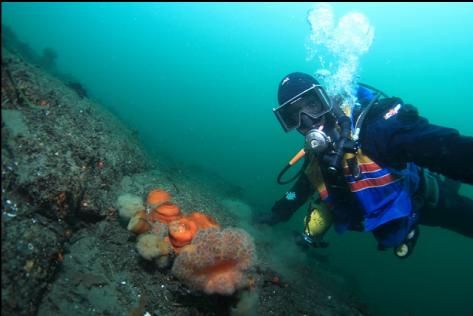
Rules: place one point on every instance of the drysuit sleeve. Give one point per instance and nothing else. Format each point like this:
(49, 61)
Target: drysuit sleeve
(395, 139)
(299, 193)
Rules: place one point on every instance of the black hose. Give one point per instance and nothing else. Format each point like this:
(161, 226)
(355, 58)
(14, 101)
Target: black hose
(283, 171)
(335, 161)
(379, 93)
(374, 89)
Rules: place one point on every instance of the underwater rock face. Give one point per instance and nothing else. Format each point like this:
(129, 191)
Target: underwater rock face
(73, 152)
(62, 156)
(30, 256)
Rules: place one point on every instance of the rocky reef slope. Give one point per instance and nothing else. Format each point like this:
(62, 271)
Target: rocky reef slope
(65, 160)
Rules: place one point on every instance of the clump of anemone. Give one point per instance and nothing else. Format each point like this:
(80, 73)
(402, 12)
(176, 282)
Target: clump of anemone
(183, 230)
(154, 248)
(203, 221)
(157, 197)
(217, 261)
(139, 223)
(129, 205)
(165, 213)
(160, 229)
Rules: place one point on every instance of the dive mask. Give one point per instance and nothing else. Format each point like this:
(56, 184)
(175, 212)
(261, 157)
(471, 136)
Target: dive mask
(312, 102)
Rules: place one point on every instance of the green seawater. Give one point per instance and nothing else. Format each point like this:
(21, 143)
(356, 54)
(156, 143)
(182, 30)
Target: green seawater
(198, 82)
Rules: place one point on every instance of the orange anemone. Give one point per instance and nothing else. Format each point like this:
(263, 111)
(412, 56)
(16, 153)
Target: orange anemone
(165, 213)
(203, 221)
(158, 197)
(181, 232)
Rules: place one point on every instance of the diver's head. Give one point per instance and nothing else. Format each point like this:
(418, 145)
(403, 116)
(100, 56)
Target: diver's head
(303, 103)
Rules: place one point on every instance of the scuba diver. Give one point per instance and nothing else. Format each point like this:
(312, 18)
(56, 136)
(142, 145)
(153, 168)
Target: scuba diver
(375, 165)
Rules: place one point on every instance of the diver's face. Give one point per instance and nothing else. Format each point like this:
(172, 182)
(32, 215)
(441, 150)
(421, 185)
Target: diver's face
(308, 123)
(308, 105)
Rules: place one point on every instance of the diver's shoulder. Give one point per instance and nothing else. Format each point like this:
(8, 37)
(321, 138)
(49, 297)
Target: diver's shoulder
(384, 108)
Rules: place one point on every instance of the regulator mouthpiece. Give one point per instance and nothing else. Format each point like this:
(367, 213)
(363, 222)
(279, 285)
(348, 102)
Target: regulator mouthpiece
(317, 141)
